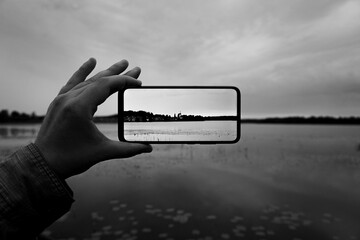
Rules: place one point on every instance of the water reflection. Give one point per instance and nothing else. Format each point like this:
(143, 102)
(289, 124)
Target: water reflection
(18, 131)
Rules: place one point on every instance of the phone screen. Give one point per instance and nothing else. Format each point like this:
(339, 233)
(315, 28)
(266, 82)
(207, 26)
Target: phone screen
(179, 115)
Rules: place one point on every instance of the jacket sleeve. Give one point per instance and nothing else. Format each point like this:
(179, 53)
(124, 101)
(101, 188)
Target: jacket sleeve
(32, 196)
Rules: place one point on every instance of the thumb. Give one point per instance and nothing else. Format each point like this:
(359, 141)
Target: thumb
(125, 150)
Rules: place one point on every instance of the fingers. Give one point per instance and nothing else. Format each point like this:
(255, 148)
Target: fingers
(117, 83)
(99, 92)
(98, 88)
(80, 75)
(135, 72)
(115, 69)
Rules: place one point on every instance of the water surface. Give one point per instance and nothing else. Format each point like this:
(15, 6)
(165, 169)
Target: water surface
(181, 131)
(278, 182)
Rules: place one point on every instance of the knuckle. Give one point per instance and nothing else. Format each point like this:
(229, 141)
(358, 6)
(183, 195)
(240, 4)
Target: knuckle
(56, 104)
(71, 109)
(68, 108)
(105, 80)
(65, 106)
(59, 100)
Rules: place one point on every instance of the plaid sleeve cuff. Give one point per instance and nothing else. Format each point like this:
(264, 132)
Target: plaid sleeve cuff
(59, 184)
(32, 196)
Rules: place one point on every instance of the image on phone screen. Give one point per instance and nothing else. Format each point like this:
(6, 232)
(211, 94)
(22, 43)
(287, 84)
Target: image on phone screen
(180, 114)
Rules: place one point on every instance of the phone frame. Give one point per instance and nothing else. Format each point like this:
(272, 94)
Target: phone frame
(121, 110)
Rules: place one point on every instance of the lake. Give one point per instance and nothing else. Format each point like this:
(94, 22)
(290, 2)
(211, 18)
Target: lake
(180, 131)
(277, 182)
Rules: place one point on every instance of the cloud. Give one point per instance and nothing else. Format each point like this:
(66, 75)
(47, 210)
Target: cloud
(279, 53)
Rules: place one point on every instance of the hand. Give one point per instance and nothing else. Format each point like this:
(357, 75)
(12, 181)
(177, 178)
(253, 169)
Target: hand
(68, 137)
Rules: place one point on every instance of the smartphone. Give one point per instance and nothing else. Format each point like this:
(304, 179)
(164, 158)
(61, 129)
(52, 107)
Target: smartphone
(179, 114)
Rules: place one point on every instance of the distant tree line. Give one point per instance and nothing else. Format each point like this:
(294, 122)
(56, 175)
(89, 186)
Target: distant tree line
(142, 116)
(18, 117)
(306, 120)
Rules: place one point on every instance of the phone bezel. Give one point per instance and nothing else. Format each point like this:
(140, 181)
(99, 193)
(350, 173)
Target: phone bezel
(238, 117)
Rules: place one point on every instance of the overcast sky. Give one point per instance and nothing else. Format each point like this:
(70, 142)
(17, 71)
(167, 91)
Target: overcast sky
(288, 57)
(204, 102)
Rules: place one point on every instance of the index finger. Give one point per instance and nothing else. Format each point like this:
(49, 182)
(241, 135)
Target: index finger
(80, 75)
